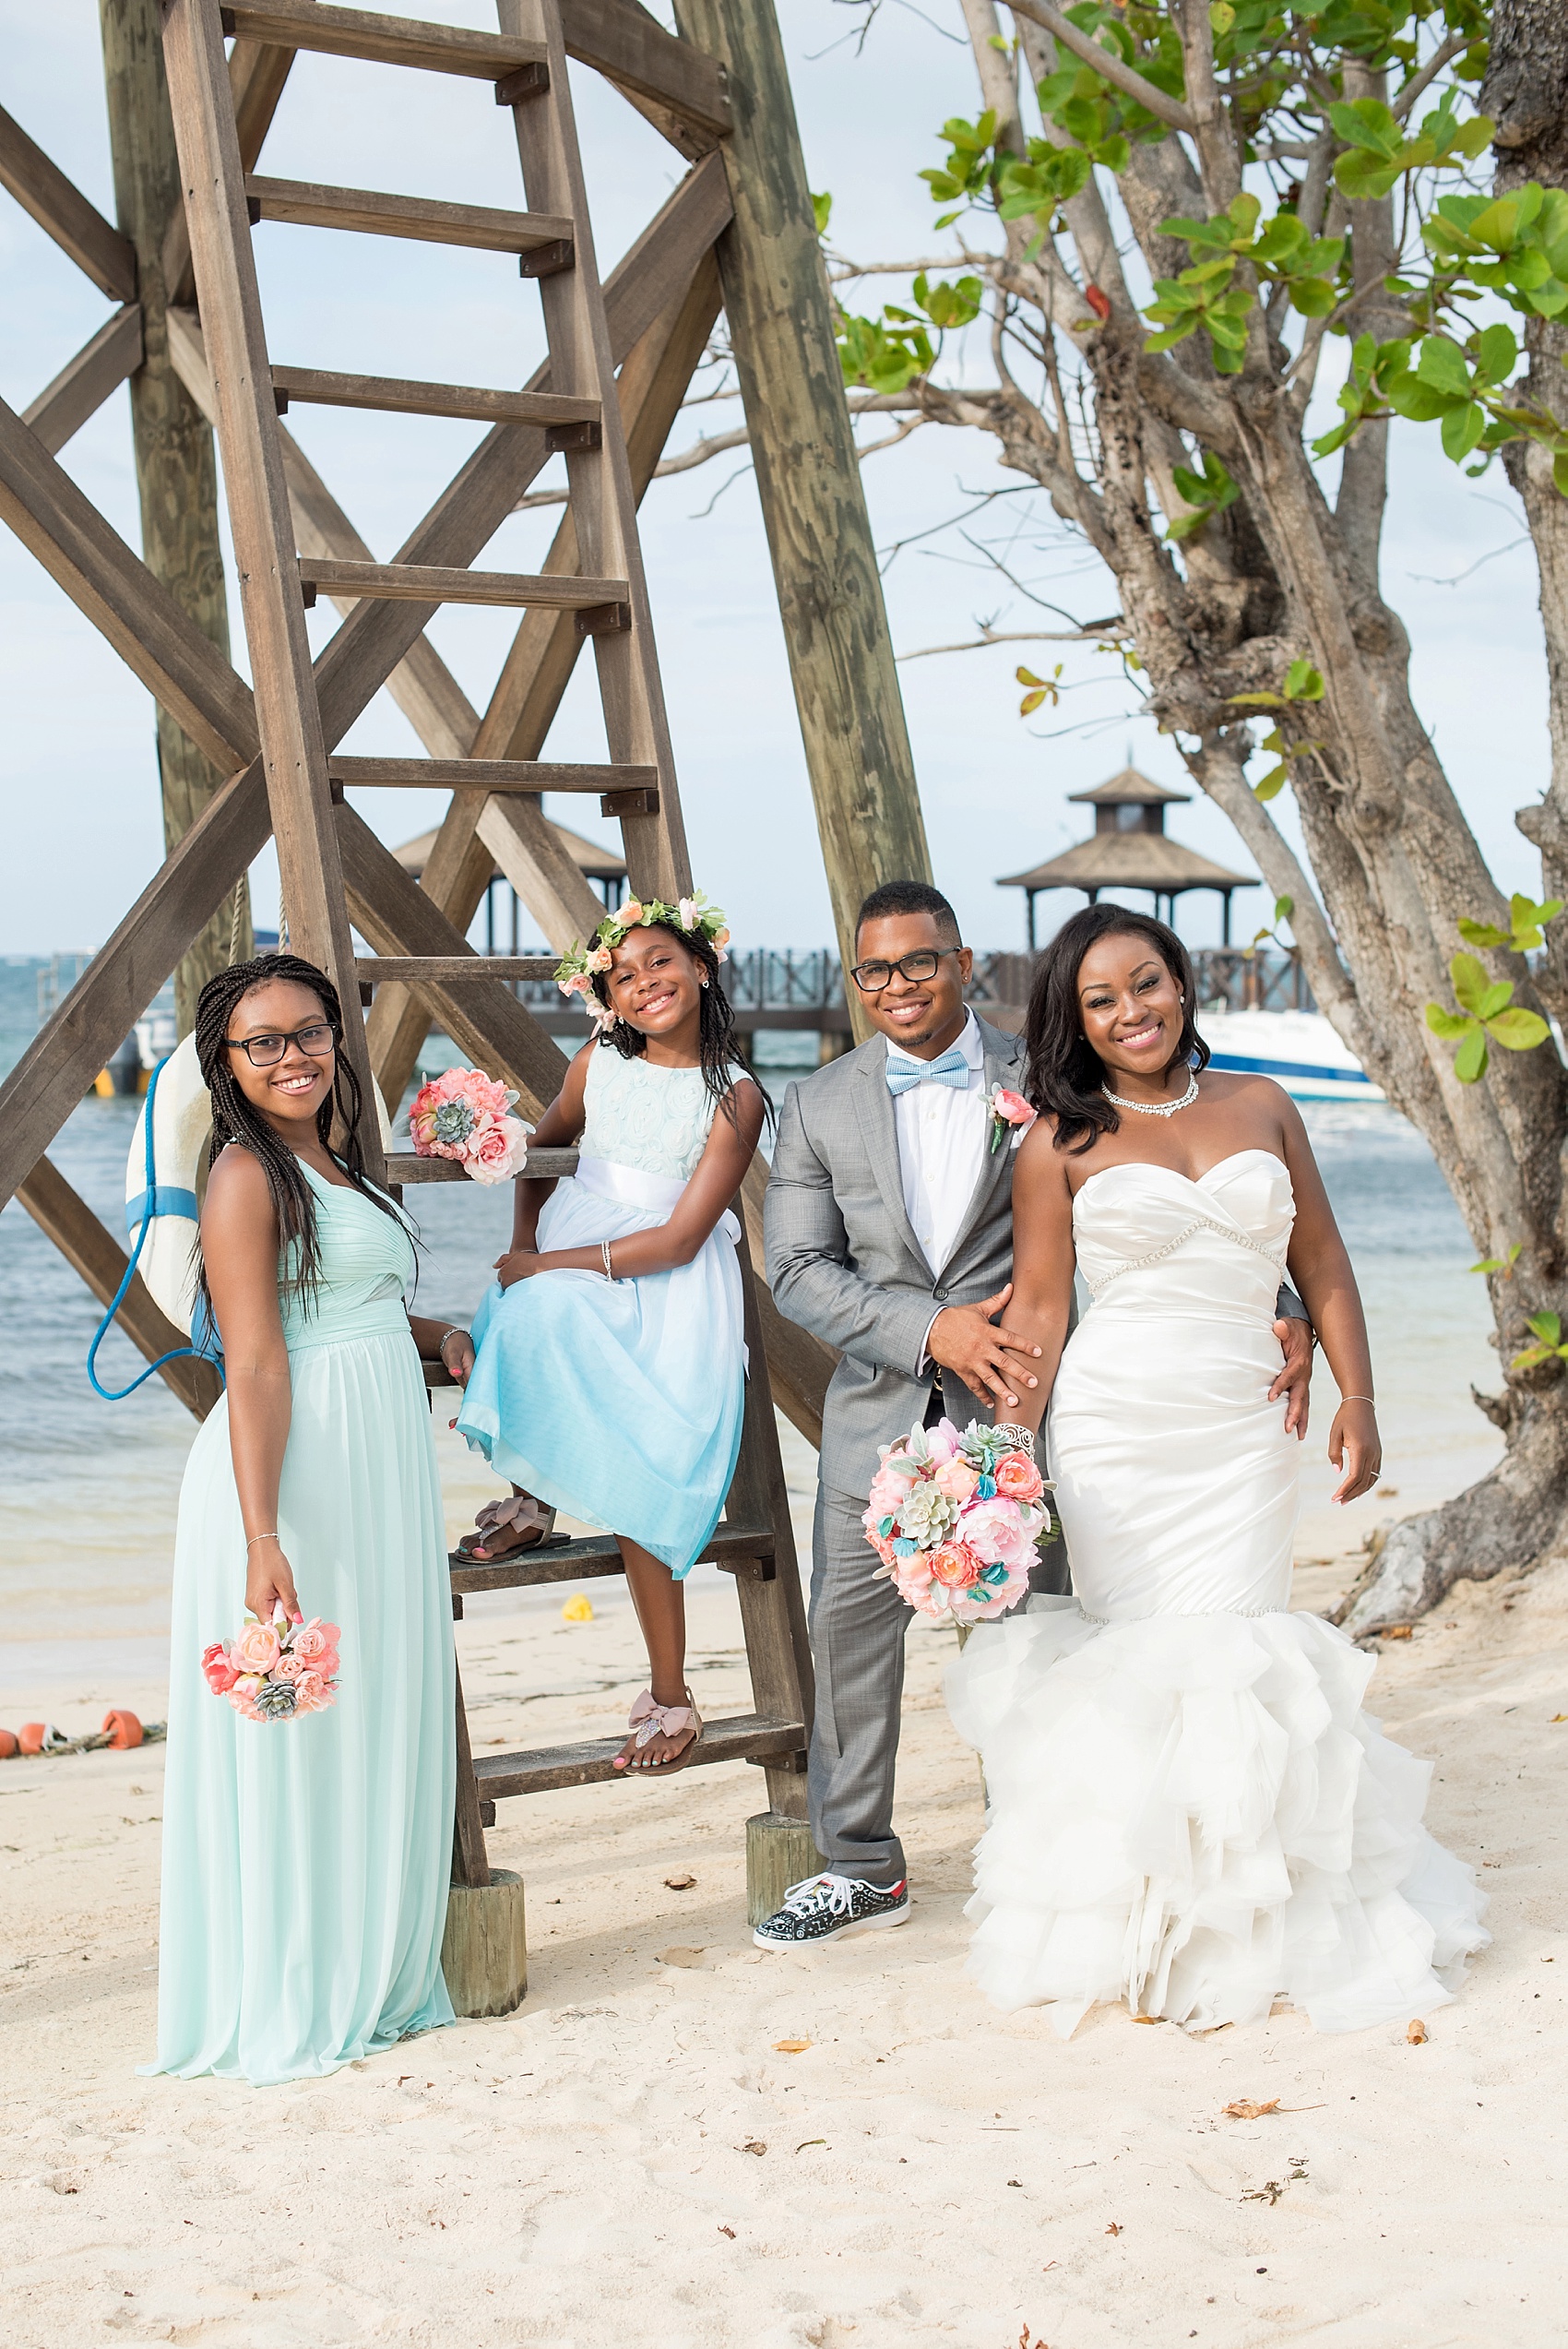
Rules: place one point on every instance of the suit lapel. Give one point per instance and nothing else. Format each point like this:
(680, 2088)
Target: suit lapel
(873, 1105)
(1004, 1055)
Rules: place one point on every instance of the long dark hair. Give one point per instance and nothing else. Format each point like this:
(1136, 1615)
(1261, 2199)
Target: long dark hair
(1062, 1073)
(718, 1047)
(236, 1119)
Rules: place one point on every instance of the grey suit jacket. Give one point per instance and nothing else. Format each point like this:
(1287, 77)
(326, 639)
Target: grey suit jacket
(844, 1262)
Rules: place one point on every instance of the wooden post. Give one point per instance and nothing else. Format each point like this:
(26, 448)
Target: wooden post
(776, 299)
(176, 469)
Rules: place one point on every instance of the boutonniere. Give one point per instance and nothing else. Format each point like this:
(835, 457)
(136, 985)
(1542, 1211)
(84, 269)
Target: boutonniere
(1009, 1111)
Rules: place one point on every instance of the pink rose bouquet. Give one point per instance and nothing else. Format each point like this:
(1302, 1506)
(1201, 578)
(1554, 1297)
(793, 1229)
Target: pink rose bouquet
(275, 1671)
(955, 1520)
(462, 1115)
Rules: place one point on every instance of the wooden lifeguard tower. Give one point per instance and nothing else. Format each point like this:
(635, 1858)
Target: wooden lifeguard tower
(1130, 849)
(241, 763)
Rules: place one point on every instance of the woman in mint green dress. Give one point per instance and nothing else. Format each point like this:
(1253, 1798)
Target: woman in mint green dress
(305, 1862)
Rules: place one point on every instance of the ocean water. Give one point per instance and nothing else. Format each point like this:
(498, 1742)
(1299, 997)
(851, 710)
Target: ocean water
(89, 1489)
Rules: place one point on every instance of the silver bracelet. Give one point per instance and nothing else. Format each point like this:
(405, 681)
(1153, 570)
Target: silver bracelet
(1020, 1439)
(261, 1537)
(453, 1330)
(609, 1268)
(1359, 1399)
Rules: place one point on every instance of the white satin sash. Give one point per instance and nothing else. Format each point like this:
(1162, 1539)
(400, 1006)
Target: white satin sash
(654, 1194)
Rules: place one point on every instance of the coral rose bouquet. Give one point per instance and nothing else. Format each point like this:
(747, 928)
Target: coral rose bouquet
(955, 1520)
(462, 1115)
(275, 1671)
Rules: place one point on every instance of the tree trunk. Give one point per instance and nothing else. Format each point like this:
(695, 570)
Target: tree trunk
(1518, 1514)
(176, 468)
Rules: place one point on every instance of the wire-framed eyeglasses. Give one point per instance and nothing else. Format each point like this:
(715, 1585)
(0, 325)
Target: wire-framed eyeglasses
(265, 1051)
(872, 977)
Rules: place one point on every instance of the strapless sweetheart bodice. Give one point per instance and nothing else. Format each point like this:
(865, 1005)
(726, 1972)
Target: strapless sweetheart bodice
(1150, 1239)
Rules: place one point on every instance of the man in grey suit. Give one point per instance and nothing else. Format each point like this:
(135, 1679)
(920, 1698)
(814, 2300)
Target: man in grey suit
(890, 1236)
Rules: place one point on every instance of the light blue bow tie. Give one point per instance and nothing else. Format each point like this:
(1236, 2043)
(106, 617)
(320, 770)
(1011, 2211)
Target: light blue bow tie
(951, 1069)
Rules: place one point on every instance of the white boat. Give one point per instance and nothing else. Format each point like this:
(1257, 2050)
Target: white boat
(1297, 1049)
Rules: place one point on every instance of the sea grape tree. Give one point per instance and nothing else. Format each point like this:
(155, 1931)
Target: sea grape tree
(1166, 215)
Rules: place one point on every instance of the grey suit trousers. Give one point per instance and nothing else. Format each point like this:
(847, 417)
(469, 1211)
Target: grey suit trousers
(857, 1633)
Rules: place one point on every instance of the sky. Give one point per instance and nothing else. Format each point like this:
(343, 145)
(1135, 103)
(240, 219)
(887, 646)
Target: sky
(78, 773)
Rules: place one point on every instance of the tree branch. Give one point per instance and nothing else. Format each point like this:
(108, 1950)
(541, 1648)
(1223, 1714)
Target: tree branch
(1107, 63)
(1444, 55)
(1097, 633)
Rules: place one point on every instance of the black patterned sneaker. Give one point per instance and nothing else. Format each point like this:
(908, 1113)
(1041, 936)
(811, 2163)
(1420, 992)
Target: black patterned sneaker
(824, 1907)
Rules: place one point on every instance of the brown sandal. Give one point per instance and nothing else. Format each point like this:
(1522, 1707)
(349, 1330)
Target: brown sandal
(528, 1520)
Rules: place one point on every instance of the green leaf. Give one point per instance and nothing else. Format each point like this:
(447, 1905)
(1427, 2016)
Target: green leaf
(1498, 351)
(1504, 1264)
(1470, 982)
(1367, 123)
(1441, 364)
(1497, 998)
(1303, 682)
(1547, 1326)
(1518, 1030)
(1483, 934)
(1313, 297)
(1271, 784)
(1469, 1061)
(1420, 401)
(1447, 1023)
(822, 209)
(1461, 428)
(1283, 908)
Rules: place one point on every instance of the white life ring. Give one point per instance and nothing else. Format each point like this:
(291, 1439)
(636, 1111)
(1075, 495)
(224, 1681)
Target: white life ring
(182, 1123)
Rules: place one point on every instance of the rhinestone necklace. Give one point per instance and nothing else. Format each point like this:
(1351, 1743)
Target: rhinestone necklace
(1154, 1108)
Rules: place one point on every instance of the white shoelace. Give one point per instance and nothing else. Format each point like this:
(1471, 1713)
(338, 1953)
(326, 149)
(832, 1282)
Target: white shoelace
(815, 1894)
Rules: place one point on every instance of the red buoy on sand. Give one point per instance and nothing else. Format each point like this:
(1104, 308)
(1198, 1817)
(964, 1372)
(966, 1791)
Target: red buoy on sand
(121, 1728)
(34, 1734)
(8, 1745)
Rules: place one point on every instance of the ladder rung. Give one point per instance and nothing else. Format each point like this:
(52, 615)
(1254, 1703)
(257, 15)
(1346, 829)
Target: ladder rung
(595, 1554)
(426, 220)
(441, 970)
(744, 1737)
(318, 388)
(516, 776)
(443, 583)
(407, 1166)
(387, 40)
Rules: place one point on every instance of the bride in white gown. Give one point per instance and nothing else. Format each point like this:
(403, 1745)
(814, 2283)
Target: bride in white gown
(1188, 1808)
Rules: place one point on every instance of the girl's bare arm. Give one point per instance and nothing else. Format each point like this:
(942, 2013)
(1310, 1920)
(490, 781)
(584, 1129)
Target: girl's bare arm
(557, 1130)
(239, 1242)
(717, 1177)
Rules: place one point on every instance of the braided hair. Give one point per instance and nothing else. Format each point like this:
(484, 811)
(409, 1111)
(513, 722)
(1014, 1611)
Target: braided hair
(718, 1047)
(237, 1119)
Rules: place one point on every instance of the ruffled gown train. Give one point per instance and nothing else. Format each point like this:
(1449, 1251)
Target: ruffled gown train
(1189, 1810)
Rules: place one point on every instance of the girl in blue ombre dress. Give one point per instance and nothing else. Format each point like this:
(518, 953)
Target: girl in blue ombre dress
(610, 1375)
(305, 1862)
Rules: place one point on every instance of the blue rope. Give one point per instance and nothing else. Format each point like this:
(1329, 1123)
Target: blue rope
(148, 1204)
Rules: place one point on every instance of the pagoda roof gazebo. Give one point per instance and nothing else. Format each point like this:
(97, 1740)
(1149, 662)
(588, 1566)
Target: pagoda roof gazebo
(1129, 849)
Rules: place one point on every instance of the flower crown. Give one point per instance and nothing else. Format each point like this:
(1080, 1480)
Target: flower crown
(580, 965)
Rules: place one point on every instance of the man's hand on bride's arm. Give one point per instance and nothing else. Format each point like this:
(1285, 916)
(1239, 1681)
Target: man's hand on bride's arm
(990, 1360)
(1295, 1378)
(1355, 1446)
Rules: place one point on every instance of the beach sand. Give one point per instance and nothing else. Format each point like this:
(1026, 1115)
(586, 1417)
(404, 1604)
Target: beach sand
(631, 2157)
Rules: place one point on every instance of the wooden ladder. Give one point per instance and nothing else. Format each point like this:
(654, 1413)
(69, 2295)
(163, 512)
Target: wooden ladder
(328, 861)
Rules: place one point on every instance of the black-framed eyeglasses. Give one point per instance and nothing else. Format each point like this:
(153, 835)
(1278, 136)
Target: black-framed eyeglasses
(265, 1051)
(872, 977)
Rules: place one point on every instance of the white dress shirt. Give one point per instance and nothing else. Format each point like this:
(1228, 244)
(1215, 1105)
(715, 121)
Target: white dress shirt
(942, 1146)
